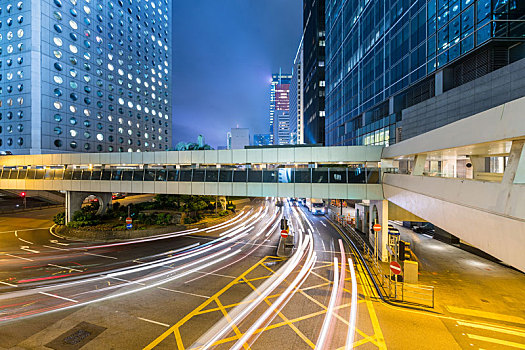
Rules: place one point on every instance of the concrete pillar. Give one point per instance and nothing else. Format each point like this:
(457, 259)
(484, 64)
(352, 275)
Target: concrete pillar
(480, 164)
(439, 83)
(419, 164)
(74, 201)
(515, 170)
(379, 215)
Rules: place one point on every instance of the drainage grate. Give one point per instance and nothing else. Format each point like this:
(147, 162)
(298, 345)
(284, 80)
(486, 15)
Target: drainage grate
(76, 337)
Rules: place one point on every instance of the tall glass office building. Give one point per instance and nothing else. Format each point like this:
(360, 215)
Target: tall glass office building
(384, 56)
(280, 109)
(85, 76)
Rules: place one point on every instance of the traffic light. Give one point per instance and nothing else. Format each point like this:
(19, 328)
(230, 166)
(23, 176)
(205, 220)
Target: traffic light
(22, 194)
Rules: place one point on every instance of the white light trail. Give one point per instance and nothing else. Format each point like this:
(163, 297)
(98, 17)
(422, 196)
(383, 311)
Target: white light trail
(353, 308)
(321, 341)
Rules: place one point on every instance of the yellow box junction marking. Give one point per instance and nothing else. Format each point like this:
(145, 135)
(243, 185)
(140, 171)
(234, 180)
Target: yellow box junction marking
(375, 339)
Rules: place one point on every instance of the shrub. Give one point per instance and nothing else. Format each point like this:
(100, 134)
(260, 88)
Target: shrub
(230, 206)
(60, 218)
(224, 213)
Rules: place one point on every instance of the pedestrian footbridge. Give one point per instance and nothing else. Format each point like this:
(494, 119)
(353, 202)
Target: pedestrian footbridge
(305, 172)
(467, 178)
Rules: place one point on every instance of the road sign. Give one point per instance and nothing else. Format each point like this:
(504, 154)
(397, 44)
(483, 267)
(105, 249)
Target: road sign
(284, 233)
(395, 267)
(129, 220)
(129, 226)
(377, 227)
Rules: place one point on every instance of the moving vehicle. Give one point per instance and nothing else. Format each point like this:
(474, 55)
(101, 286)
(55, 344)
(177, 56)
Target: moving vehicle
(316, 206)
(118, 195)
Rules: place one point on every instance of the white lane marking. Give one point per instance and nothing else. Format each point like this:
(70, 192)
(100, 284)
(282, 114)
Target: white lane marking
(56, 248)
(496, 341)
(492, 328)
(179, 291)
(26, 248)
(102, 256)
(154, 322)
(23, 240)
(54, 241)
(19, 257)
(215, 274)
(8, 284)
(322, 222)
(58, 297)
(27, 229)
(64, 267)
(123, 280)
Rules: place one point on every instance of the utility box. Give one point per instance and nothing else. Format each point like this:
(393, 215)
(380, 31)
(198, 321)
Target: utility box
(410, 273)
(362, 213)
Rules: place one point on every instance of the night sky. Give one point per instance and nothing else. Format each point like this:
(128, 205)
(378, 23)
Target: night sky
(225, 52)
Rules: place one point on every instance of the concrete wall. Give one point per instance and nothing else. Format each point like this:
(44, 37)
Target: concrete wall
(490, 216)
(503, 122)
(239, 156)
(496, 88)
(342, 191)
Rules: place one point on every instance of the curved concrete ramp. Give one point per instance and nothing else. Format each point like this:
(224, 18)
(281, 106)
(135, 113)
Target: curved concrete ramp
(490, 216)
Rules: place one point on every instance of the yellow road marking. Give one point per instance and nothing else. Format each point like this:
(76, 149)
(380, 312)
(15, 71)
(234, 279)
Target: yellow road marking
(491, 328)
(286, 320)
(485, 314)
(178, 339)
(497, 341)
(164, 335)
(255, 279)
(230, 321)
(372, 313)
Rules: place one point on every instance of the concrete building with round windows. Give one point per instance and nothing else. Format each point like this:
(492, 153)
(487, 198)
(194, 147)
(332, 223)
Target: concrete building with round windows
(85, 76)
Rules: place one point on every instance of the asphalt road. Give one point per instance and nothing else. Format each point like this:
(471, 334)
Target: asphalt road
(222, 287)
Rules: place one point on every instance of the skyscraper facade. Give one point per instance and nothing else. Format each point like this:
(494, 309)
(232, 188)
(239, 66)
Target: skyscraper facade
(385, 56)
(238, 138)
(262, 140)
(280, 109)
(314, 71)
(297, 100)
(85, 76)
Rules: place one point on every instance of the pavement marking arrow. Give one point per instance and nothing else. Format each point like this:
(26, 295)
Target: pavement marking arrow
(26, 248)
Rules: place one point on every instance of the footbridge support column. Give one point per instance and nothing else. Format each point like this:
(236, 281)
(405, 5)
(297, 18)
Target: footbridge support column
(379, 240)
(74, 200)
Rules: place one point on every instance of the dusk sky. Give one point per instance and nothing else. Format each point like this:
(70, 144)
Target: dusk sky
(225, 52)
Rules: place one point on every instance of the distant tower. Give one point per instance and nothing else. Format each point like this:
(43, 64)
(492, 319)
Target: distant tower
(280, 109)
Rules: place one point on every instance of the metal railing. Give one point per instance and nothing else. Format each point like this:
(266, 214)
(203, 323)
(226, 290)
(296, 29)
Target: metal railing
(399, 291)
(412, 293)
(322, 175)
(40, 207)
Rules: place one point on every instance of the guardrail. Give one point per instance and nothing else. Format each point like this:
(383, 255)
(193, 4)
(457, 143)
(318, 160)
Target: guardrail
(412, 293)
(41, 207)
(399, 291)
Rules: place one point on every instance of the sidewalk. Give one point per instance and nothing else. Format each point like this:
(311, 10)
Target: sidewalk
(467, 285)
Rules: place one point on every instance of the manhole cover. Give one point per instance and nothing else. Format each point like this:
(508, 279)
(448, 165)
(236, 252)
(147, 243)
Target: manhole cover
(76, 337)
